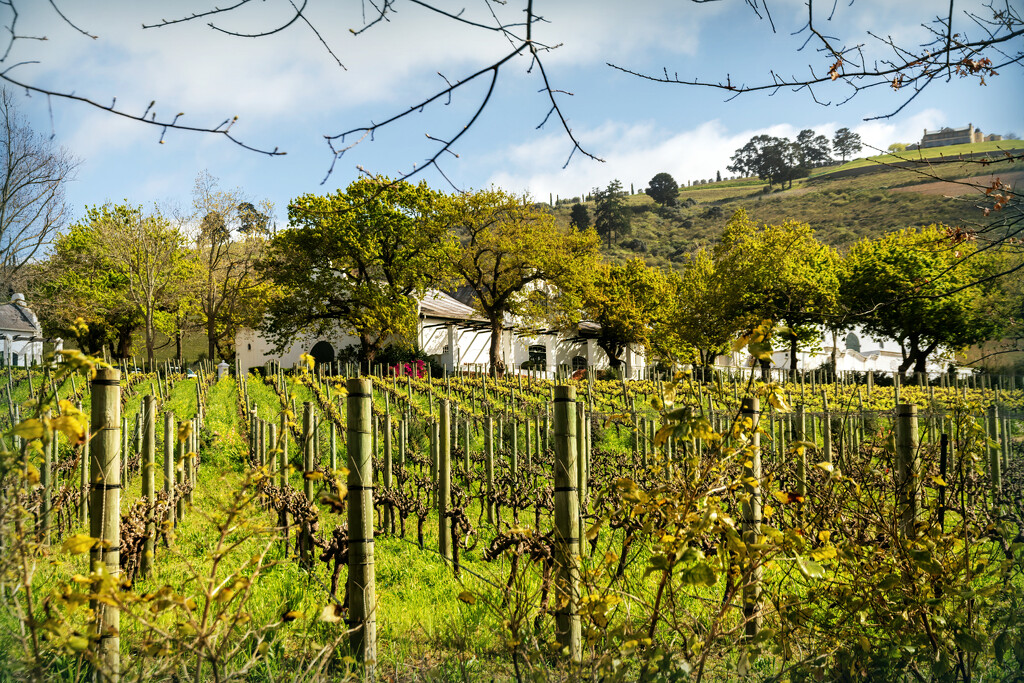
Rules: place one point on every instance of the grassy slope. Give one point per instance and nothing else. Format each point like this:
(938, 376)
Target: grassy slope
(929, 153)
(841, 210)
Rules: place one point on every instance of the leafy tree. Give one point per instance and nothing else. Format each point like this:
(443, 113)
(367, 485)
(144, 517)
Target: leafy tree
(356, 260)
(230, 237)
(706, 312)
(580, 217)
(663, 189)
(77, 292)
(718, 176)
(150, 255)
(846, 143)
(790, 276)
(905, 287)
(511, 254)
(897, 147)
(629, 302)
(812, 150)
(769, 158)
(611, 217)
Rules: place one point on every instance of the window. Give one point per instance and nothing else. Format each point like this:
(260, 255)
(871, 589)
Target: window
(538, 356)
(852, 342)
(579, 363)
(250, 347)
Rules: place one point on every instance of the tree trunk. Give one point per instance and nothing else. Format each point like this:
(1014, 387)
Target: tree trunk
(368, 350)
(211, 337)
(494, 350)
(612, 350)
(177, 347)
(793, 350)
(124, 343)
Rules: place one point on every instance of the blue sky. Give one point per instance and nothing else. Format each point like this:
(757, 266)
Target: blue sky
(288, 92)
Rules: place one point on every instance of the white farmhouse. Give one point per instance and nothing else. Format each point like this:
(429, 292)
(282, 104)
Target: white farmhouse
(21, 333)
(456, 337)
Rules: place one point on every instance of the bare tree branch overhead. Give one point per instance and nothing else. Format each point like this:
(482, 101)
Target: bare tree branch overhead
(964, 44)
(965, 41)
(32, 175)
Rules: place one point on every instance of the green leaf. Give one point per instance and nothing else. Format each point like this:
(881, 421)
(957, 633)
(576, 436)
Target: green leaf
(699, 574)
(809, 568)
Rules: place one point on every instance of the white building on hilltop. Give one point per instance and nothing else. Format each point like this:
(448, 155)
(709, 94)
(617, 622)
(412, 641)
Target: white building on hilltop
(455, 336)
(21, 333)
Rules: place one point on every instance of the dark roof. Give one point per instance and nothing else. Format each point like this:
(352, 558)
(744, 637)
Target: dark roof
(14, 318)
(437, 304)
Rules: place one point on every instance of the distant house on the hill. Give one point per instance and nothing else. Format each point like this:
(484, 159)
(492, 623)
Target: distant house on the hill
(21, 333)
(955, 136)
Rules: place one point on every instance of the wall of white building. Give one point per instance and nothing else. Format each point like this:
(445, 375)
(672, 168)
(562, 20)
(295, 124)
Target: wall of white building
(452, 345)
(856, 351)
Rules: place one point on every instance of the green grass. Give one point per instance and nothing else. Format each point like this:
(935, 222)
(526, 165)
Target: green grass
(840, 210)
(997, 147)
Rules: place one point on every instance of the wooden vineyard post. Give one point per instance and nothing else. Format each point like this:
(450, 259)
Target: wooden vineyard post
(307, 449)
(826, 428)
(801, 463)
(581, 469)
(169, 463)
(334, 447)
(489, 466)
(272, 451)
(191, 458)
(467, 462)
(444, 480)
(149, 480)
(83, 500)
(908, 468)
(105, 509)
(994, 466)
(567, 516)
(752, 518)
(284, 455)
(387, 514)
(179, 473)
(361, 589)
(46, 481)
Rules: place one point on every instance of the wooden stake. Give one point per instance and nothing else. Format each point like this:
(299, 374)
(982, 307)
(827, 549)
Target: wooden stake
(567, 515)
(908, 468)
(149, 481)
(105, 509)
(752, 519)
(362, 620)
(444, 480)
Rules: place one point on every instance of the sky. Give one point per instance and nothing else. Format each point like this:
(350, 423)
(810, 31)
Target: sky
(320, 76)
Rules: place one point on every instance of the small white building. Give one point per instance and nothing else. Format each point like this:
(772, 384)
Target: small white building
(856, 351)
(456, 336)
(21, 333)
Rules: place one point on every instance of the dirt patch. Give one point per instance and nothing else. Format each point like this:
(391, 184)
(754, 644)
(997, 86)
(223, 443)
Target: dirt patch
(956, 188)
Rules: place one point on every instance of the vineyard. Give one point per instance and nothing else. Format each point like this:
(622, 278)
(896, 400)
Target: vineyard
(311, 524)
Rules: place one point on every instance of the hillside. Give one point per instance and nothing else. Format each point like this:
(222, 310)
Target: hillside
(841, 209)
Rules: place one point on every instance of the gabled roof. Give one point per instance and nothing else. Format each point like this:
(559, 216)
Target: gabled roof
(15, 318)
(437, 304)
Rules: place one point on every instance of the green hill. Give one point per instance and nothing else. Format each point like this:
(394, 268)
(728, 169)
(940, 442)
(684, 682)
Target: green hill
(841, 209)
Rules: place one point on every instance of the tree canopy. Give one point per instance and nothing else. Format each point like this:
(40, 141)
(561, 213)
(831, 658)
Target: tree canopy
(846, 143)
(611, 217)
(906, 288)
(663, 189)
(353, 262)
(517, 260)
